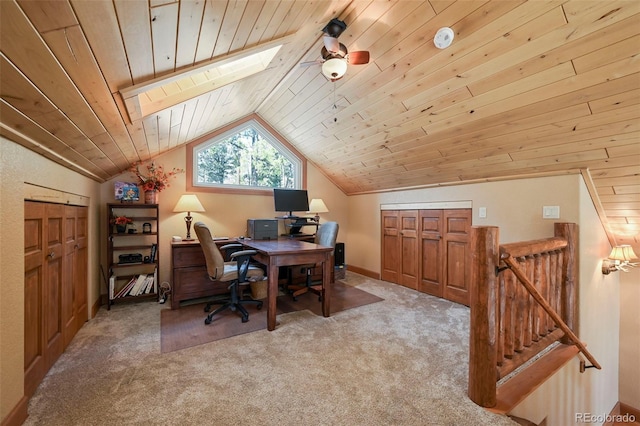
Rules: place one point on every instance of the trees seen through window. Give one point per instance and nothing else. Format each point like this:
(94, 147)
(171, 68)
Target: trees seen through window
(246, 157)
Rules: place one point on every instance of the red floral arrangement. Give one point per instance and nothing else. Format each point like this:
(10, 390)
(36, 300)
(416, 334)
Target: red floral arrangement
(121, 220)
(155, 179)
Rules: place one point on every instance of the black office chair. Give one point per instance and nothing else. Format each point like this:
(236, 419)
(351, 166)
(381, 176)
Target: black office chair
(236, 271)
(326, 235)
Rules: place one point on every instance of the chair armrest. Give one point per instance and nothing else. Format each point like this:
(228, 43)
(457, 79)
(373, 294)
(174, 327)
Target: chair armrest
(229, 246)
(242, 253)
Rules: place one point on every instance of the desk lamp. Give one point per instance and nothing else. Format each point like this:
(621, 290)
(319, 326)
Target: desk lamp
(317, 206)
(188, 203)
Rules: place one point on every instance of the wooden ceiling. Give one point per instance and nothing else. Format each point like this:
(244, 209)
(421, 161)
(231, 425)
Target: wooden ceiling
(527, 88)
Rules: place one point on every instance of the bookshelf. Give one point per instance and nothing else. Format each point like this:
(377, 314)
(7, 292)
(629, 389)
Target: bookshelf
(132, 253)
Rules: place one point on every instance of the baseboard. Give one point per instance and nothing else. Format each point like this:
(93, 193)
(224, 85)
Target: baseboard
(365, 272)
(96, 306)
(18, 415)
(622, 413)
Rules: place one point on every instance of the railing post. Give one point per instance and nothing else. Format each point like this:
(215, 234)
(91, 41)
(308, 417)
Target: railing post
(484, 316)
(569, 292)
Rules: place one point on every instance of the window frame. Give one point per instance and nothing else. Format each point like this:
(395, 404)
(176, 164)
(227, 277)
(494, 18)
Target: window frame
(272, 136)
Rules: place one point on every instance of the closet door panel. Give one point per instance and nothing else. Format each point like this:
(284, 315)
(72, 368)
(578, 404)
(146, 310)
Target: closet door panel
(34, 348)
(457, 278)
(81, 266)
(431, 247)
(68, 305)
(53, 278)
(409, 263)
(390, 246)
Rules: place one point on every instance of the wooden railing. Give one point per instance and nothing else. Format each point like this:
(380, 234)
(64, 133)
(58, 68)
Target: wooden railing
(523, 299)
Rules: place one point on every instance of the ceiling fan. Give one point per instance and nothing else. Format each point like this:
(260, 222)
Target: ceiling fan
(335, 56)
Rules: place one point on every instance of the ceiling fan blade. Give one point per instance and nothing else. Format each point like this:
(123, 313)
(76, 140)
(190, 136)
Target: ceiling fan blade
(359, 57)
(331, 43)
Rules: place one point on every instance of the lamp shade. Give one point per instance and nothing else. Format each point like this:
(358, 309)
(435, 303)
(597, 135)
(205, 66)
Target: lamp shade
(317, 206)
(629, 253)
(623, 253)
(188, 203)
(334, 68)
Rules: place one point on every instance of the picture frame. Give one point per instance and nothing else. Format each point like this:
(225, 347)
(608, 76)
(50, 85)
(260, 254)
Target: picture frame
(126, 191)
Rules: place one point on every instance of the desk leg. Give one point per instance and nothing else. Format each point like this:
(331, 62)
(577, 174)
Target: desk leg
(326, 286)
(272, 295)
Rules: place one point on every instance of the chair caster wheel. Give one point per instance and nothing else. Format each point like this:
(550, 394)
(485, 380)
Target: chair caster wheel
(245, 319)
(207, 320)
(259, 306)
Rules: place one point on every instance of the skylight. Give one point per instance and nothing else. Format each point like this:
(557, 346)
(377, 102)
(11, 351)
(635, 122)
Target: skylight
(164, 92)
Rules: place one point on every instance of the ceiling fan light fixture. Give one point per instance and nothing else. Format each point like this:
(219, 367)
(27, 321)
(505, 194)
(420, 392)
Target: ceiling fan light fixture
(443, 38)
(334, 68)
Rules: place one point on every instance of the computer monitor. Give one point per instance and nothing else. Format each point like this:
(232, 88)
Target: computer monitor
(290, 200)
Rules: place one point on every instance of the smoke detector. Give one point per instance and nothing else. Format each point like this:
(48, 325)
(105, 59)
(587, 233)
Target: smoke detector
(443, 38)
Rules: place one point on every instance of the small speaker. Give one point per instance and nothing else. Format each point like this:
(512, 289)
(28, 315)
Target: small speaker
(339, 254)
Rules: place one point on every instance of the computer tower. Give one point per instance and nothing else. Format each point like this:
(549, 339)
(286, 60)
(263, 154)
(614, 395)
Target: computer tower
(262, 229)
(339, 254)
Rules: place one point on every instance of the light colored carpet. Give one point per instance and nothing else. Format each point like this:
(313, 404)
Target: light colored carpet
(401, 361)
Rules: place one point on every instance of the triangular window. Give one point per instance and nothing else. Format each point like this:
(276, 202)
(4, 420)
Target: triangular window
(245, 156)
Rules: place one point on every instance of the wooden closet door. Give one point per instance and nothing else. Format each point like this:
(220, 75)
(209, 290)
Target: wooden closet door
(409, 249)
(81, 265)
(457, 267)
(390, 246)
(431, 224)
(68, 305)
(74, 292)
(34, 255)
(53, 281)
(44, 265)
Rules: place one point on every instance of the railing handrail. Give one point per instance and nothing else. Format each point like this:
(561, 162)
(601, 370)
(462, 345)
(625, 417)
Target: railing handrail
(513, 265)
(535, 247)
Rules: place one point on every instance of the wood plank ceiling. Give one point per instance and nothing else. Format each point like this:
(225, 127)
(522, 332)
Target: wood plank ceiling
(527, 88)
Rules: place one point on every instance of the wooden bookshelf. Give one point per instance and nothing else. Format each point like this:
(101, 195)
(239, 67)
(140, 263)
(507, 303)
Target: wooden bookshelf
(132, 256)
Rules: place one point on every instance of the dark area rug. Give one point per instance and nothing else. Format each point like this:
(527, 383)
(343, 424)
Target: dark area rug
(183, 328)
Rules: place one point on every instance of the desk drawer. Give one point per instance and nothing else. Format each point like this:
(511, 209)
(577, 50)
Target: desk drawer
(195, 280)
(185, 257)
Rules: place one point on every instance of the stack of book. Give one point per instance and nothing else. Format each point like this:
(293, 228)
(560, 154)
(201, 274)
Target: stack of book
(142, 284)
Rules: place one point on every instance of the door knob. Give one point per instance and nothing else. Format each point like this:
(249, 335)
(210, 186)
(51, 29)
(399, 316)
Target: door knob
(51, 255)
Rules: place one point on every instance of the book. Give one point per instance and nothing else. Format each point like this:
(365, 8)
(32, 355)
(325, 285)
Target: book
(148, 284)
(138, 286)
(154, 251)
(126, 288)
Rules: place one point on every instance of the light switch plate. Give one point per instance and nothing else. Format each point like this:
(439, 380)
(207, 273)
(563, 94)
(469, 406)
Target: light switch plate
(551, 212)
(482, 212)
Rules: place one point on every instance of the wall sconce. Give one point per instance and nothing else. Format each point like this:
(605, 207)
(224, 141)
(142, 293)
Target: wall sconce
(188, 203)
(317, 206)
(619, 260)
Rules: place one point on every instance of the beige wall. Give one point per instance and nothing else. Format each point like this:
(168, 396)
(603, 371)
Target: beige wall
(515, 206)
(630, 337)
(17, 167)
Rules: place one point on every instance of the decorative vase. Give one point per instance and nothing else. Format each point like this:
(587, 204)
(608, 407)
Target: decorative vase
(151, 197)
(121, 229)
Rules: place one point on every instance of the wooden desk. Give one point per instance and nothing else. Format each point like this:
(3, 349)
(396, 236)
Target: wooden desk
(286, 252)
(189, 276)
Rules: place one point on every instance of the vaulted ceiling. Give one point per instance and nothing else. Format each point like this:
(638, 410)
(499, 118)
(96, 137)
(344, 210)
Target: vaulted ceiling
(527, 88)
